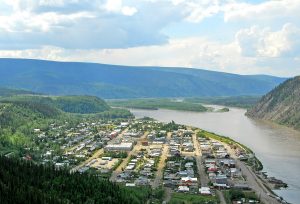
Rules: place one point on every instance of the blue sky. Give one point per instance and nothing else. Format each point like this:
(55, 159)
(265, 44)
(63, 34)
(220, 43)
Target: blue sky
(245, 37)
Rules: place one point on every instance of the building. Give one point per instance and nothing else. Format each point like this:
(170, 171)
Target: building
(183, 189)
(119, 147)
(204, 191)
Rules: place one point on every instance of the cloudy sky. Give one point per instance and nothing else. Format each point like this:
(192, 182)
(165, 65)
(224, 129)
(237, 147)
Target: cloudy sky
(245, 36)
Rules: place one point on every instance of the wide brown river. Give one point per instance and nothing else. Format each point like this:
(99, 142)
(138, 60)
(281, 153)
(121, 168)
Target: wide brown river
(277, 147)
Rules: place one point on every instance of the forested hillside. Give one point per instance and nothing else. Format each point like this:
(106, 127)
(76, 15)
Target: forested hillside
(112, 81)
(20, 115)
(281, 105)
(30, 183)
(70, 104)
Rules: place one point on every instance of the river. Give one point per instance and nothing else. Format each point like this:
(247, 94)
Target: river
(277, 147)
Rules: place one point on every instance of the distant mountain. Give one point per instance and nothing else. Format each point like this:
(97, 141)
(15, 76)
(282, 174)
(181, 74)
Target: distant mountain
(281, 105)
(11, 92)
(112, 81)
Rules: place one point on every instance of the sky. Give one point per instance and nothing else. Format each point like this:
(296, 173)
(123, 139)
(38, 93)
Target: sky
(236, 36)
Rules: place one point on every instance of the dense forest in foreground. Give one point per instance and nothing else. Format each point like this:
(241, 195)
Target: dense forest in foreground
(30, 183)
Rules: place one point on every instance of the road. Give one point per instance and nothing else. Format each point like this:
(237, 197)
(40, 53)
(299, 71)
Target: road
(162, 162)
(198, 155)
(221, 197)
(253, 181)
(122, 166)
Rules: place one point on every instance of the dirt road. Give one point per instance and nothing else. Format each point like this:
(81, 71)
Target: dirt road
(203, 177)
(160, 168)
(221, 197)
(137, 147)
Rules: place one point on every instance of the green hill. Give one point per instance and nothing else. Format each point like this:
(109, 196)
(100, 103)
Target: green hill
(25, 182)
(20, 115)
(18, 120)
(70, 104)
(281, 105)
(113, 82)
(80, 104)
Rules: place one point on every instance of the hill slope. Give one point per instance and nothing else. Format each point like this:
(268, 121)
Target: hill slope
(20, 115)
(111, 81)
(281, 105)
(70, 104)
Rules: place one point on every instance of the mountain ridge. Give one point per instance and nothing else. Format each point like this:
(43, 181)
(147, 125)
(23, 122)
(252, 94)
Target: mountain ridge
(281, 105)
(115, 81)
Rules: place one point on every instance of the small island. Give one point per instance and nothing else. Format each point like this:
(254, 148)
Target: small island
(155, 104)
(222, 110)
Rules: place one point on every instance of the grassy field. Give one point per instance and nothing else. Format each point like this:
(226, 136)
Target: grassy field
(154, 104)
(192, 199)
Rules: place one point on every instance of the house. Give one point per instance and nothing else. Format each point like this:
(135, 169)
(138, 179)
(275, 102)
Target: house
(241, 186)
(183, 189)
(204, 191)
(182, 173)
(119, 147)
(130, 167)
(212, 169)
(130, 185)
(221, 179)
(189, 165)
(188, 181)
(142, 181)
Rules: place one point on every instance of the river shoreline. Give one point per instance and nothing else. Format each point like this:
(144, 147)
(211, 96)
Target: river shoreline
(274, 146)
(255, 169)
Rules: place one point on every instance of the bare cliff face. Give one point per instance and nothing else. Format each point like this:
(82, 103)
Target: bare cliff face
(281, 105)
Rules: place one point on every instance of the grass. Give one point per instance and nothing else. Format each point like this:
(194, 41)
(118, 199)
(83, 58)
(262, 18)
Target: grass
(192, 199)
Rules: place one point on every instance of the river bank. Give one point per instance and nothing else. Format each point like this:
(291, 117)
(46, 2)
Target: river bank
(275, 146)
(251, 166)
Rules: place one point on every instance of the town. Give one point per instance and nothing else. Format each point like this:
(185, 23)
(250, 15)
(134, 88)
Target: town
(186, 163)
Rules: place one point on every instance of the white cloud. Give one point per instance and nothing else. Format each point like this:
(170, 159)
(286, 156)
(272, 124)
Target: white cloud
(268, 10)
(27, 22)
(129, 11)
(113, 5)
(83, 24)
(262, 42)
(197, 10)
(118, 7)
